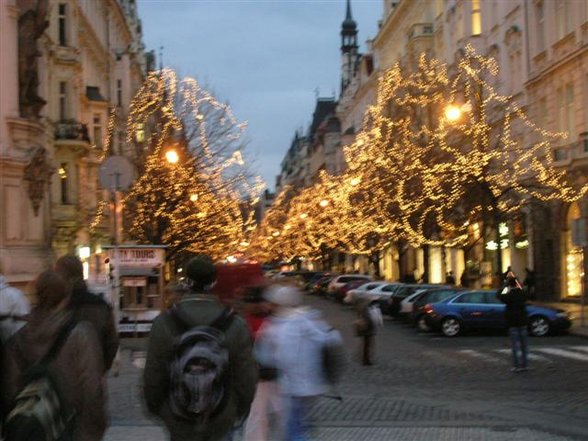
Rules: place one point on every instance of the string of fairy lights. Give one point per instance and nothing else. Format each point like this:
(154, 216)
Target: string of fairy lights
(440, 153)
(194, 192)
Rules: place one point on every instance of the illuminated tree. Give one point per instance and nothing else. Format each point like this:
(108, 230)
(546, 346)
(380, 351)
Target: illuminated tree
(199, 199)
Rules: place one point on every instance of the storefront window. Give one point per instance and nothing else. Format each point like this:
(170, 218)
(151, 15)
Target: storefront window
(574, 259)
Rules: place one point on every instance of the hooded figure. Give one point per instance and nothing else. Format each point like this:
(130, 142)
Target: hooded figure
(200, 307)
(89, 307)
(77, 369)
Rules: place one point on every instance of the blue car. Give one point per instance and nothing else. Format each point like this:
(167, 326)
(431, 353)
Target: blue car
(483, 310)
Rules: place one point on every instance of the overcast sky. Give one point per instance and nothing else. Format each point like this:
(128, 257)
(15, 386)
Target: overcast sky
(266, 58)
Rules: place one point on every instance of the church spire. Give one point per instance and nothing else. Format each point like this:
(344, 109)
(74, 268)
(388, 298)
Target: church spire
(349, 46)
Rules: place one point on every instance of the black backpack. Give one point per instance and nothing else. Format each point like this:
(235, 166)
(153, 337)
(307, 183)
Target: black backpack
(199, 367)
(38, 413)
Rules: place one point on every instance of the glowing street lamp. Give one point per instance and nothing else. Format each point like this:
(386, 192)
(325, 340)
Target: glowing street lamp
(324, 203)
(453, 113)
(172, 156)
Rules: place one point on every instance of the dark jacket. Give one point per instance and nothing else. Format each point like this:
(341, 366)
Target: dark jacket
(203, 309)
(77, 369)
(515, 311)
(91, 308)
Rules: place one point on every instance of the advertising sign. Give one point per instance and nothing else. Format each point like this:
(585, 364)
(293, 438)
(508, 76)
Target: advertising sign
(141, 257)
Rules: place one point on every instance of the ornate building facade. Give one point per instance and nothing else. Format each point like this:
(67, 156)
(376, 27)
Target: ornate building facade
(70, 69)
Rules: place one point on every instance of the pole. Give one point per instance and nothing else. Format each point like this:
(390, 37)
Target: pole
(116, 272)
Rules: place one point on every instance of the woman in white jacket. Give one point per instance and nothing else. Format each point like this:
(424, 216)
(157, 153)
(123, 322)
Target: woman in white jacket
(293, 341)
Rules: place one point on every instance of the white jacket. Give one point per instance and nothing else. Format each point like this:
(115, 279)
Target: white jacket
(12, 303)
(293, 342)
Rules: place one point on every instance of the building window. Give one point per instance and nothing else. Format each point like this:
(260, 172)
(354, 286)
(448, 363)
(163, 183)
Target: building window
(97, 122)
(542, 113)
(62, 24)
(565, 103)
(540, 17)
(64, 182)
(563, 18)
(476, 18)
(119, 93)
(63, 100)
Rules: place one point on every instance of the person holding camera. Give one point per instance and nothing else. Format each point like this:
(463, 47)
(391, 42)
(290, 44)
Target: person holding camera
(515, 313)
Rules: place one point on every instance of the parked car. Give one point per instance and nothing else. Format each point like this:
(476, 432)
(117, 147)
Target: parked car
(316, 276)
(340, 293)
(354, 294)
(341, 280)
(406, 305)
(392, 306)
(319, 288)
(483, 310)
(435, 295)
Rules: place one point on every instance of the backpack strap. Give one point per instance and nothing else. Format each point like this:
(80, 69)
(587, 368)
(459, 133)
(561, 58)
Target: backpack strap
(223, 321)
(59, 342)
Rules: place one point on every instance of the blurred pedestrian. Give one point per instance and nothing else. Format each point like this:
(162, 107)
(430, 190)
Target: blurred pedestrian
(90, 307)
(529, 283)
(14, 308)
(294, 341)
(464, 279)
(266, 414)
(515, 313)
(366, 328)
(449, 278)
(76, 369)
(173, 293)
(200, 374)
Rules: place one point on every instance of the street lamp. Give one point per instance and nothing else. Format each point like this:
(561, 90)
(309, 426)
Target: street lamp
(452, 113)
(324, 203)
(172, 156)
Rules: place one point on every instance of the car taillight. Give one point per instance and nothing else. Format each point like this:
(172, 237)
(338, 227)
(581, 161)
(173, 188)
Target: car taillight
(428, 308)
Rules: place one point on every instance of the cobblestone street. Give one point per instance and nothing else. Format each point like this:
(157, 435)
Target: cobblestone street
(423, 387)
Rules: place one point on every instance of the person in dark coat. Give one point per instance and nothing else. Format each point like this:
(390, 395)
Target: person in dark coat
(77, 368)
(201, 307)
(515, 313)
(89, 307)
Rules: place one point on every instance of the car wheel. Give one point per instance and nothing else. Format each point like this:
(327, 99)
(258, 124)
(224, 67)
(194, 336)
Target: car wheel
(422, 323)
(539, 326)
(450, 327)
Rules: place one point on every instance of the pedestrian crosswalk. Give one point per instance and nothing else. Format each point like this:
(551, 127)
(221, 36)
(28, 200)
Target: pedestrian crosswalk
(542, 354)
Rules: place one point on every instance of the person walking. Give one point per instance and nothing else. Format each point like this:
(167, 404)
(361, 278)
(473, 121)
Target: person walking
(513, 296)
(294, 341)
(529, 283)
(76, 369)
(89, 307)
(366, 328)
(223, 397)
(14, 308)
(266, 413)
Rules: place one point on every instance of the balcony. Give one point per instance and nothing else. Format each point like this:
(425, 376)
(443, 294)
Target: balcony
(71, 130)
(571, 155)
(420, 30)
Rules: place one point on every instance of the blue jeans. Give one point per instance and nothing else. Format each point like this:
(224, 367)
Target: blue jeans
(297, 427)
(519, 346)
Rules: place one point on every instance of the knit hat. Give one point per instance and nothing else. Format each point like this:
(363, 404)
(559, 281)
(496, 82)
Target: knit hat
(201, 271)
(284, 295)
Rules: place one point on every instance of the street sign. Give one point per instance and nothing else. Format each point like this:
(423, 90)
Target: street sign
(116, 173)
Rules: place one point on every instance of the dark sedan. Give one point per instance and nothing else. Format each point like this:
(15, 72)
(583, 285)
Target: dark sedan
(483, 310)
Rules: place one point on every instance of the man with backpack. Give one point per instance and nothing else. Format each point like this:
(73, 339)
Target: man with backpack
(200, 374)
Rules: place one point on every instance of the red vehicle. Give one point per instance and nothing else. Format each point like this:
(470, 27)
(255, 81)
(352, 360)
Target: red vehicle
(232, 278)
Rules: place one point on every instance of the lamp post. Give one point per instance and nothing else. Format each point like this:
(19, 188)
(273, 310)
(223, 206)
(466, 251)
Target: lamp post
(172, 156)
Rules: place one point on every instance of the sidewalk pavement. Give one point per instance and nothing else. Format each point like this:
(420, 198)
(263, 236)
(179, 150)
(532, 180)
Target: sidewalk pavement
(403, 433)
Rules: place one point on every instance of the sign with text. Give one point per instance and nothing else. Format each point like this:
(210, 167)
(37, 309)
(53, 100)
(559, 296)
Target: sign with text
(142, 257)
(125, 328)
